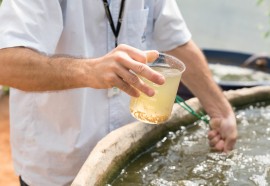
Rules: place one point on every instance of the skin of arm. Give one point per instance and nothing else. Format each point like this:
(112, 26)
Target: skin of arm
(198, 78)
(28, 70)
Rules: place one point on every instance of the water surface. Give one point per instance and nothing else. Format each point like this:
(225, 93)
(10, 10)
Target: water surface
(184, 157)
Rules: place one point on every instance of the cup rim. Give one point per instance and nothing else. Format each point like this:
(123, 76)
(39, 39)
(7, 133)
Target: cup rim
(162, 55)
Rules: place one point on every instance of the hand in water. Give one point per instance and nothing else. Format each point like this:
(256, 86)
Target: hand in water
(223, 134)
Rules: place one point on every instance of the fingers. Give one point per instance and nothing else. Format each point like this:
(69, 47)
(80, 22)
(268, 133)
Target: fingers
(120, 68)
(229, 143)
(151, 55)
(124, 86)
(127, 63)
(212, 134)
(134, 53)
(133, 61)
(135, 82)
(139, 55)
(143, 70)
(148, 73)
(215, 141)
(219, 146)
(136, 61)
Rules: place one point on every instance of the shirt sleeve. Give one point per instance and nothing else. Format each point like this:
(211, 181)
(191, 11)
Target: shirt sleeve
(170, 29)
(35, 24)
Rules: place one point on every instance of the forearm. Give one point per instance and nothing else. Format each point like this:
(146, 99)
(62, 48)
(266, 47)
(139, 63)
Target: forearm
(28, 70)
(198, 79)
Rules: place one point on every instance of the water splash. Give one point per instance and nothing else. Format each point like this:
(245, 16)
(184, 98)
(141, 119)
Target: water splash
(184, 158)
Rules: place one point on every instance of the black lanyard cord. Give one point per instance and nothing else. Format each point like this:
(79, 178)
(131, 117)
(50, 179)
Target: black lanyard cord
(119, 22)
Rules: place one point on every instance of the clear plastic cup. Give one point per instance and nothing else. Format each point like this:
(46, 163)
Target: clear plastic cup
(157, 109)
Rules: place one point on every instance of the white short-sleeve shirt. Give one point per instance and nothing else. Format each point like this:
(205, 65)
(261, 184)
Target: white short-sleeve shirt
(52, 133)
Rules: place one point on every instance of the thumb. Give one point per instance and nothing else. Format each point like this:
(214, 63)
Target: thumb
(228, 145)
(230, 140)
(151, 55)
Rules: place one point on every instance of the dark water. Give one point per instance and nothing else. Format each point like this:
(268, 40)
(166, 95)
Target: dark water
(183, 158)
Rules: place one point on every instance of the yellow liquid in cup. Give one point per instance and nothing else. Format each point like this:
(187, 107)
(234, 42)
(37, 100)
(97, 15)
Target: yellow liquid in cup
(158, 108)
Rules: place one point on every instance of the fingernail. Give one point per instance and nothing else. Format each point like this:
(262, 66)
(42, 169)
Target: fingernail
(151, 55)
(151, 93)
(161, 79)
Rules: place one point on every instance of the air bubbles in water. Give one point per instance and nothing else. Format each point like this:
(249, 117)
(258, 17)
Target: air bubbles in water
(184, 157)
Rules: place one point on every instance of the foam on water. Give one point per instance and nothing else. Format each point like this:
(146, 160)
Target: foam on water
(184, 158)
(223, 72)
(167, 72)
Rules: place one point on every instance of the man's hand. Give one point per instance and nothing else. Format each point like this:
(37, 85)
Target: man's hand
(120, 68)
(29, 70)
(223, 134)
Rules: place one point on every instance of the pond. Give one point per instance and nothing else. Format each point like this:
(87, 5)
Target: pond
(183, 157)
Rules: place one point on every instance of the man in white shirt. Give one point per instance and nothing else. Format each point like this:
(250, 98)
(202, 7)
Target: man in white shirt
(70, 46)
